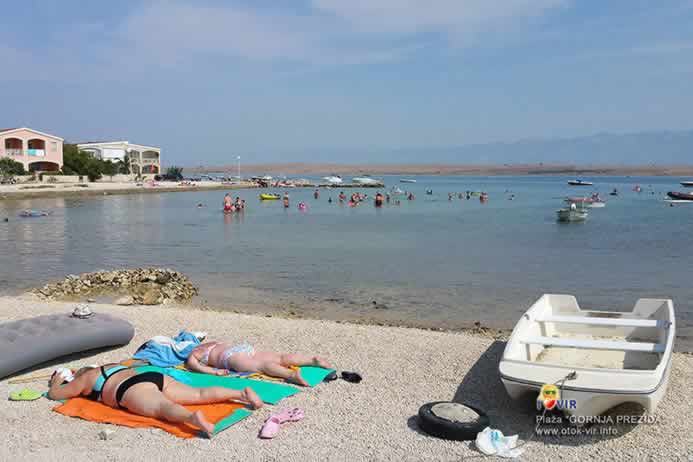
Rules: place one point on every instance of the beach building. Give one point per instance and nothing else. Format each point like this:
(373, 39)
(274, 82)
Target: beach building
(143, 159)
(37, 151)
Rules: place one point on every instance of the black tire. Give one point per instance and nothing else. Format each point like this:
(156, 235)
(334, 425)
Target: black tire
(449, 429)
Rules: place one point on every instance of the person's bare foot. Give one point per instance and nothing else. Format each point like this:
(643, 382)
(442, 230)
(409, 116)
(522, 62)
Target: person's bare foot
(320, 362)
(249, 396)
(297, 379)
(199, 420)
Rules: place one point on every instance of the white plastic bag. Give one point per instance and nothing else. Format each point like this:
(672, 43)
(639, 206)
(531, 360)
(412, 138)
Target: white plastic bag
(493, 442)
(65, 374)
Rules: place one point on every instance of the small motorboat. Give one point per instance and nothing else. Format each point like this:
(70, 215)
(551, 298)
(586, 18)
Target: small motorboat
(680, 196)
(333, 179)
(579, 183)
(407, 180)
(269, 197)
(33, 213)
(687, 184)
(593, 202)
(592, 360)
(572, 214)
(366, 180)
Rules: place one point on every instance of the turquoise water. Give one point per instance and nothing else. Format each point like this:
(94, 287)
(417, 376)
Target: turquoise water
(430, 260)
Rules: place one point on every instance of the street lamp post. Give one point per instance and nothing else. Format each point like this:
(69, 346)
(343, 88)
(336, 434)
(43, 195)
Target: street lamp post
(238, 158)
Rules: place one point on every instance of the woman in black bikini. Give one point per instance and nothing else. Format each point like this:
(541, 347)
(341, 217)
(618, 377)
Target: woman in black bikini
(150, 394)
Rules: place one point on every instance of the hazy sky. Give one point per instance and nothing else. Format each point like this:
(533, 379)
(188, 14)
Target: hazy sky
(296, 79)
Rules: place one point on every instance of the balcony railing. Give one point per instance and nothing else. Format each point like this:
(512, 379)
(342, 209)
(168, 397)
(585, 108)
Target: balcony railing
(36, 152)
(149, 161)
(13, 152)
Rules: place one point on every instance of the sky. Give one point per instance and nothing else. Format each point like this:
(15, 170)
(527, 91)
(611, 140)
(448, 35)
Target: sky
(342, 80)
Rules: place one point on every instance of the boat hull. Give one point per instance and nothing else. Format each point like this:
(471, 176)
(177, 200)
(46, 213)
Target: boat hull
(568, 216)
(687, 184)
(680, 196)
(579, 183)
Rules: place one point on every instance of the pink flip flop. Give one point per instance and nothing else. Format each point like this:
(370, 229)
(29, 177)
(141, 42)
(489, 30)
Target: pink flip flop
(273, 423)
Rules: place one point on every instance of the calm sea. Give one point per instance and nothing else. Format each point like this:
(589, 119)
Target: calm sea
(431, 261)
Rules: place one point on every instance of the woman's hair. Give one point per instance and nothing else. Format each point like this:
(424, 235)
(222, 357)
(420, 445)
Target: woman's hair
(83, 370)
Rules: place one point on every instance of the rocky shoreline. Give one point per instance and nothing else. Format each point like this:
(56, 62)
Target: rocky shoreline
(139, 286)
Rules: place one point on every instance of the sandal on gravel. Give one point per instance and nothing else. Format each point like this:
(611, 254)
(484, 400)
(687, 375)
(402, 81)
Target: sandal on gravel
(25, 395)
(271, 427)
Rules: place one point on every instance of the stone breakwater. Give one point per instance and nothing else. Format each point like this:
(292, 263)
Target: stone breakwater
(140, 286)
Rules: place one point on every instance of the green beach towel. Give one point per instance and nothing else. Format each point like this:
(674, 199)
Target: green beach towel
(269, 392)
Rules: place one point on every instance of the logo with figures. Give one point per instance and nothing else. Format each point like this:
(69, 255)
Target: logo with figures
(550, 399)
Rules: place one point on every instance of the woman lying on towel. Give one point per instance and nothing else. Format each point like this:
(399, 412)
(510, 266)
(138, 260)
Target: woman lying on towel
(150, 394)
(218, 358)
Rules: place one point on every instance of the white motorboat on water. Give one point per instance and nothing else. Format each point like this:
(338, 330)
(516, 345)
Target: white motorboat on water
(596, 359)
(579, 183)
(687, 184)
(594, 201)
(333, 179)
(366, 180)
(407, 180)
(572, 214)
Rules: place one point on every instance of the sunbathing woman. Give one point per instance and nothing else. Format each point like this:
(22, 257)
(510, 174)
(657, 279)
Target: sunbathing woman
(219, 357)
(150, 394)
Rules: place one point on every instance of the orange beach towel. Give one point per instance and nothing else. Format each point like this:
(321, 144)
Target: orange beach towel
(99, 412)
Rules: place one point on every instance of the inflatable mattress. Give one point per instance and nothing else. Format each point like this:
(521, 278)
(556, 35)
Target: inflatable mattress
(30, 342)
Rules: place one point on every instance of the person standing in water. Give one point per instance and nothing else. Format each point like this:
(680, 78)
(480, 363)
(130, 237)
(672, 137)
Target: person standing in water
(228, 203)
(316, 194)
(286, 200)
(342, 196)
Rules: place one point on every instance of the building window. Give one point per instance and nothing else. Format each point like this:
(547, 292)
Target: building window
(54, 146)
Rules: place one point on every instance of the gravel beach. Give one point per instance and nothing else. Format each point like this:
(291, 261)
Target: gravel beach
(402, 368)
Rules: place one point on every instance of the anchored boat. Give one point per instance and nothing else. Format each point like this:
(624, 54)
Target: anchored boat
(579, 183)
(597, 359)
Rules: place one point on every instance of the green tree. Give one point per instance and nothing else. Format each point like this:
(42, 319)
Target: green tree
(10, 167)
(124, 165)
(108, 168)
(174, 172)
(76, 162)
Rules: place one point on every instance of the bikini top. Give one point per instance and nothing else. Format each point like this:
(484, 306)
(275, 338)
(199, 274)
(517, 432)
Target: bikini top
(101, 381)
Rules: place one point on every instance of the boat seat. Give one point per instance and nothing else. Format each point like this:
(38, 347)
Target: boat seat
(595, 344)
(594, 321)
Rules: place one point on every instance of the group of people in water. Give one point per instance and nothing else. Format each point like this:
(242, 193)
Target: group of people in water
(233, 206)
(154, 394)
(483, 196)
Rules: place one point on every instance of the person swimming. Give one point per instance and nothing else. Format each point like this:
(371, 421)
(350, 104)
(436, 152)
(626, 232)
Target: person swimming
(378, 200)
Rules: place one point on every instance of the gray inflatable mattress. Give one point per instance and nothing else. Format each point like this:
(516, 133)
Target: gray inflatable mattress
(29, 342)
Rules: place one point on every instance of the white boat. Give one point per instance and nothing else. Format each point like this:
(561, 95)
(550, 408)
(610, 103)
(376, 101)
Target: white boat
(365, 180)
(594, 202)
(579, 183)
(571, 214)
(687, 184)
(597, 359)
(407, 180)
(333, 179)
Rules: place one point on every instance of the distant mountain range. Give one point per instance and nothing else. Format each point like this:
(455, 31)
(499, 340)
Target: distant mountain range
(642, 150)
(645, 148)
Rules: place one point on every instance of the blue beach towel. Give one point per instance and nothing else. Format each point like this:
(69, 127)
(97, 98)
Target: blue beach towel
(166, 351)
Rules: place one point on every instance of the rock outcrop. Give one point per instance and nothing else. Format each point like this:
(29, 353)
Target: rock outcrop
(143, 286)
